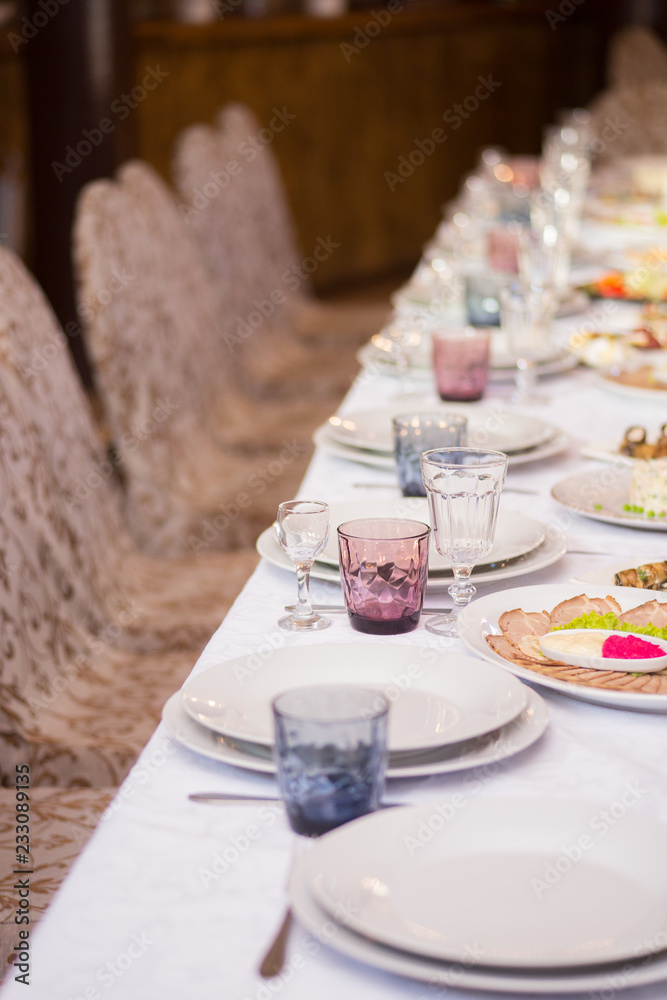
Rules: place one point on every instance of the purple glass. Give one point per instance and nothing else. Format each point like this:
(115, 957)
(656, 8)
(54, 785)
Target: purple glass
(461, 363)
(383, 569)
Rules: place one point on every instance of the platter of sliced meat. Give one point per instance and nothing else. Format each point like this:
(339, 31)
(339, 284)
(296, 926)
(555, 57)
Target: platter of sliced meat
(506, 627)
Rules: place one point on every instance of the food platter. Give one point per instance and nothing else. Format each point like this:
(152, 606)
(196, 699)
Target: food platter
(481, 618)
(603, 495)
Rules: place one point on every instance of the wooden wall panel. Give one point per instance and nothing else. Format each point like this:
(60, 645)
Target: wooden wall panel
(356, 115)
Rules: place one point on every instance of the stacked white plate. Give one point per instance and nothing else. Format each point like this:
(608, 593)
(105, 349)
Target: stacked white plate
(517, 896)
(365, 436)
(448, 711)
(522, 544)
(502, 367)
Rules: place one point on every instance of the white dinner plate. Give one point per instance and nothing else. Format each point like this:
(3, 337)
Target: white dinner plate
(432, 881)
(437, 698)
(488, 427)
(517, 735)
(604, 576)
(500, 371)
(515, 534)
(381, 460)
(338, 936)
(601, 495)
(656, 395)
(481, 617)
(550, 551)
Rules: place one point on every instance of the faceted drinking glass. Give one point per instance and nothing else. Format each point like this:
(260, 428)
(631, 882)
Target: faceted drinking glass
(331, 754)
(461, 363)
(383, 570)
(463, 487)
(418, 432)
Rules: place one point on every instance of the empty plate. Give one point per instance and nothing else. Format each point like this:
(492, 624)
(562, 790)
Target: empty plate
(437, 698)
(530, 884)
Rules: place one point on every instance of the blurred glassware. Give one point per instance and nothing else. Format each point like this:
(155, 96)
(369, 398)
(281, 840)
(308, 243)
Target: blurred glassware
(483, 298)
(415, 433)
(461, 363)
(544, 259)
(527, 312)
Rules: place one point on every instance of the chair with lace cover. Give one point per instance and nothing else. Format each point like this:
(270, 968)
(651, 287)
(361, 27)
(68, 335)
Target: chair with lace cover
(631, 121)
(184, 434)
(61, 822)
(636, 56)
(132, 600)
(260, 173)
(630, 116)
(232, 240)
(75, 710)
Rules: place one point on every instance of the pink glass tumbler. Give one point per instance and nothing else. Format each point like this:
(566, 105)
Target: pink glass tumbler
(383, 569)
(461, 363)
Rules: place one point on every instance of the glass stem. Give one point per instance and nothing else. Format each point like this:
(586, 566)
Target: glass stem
(462, 590)
(525, 378)
(303, 608)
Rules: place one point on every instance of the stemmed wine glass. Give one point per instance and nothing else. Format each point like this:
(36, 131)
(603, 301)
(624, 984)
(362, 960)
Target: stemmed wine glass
(463, 486)
(303, 529)
(526, 313)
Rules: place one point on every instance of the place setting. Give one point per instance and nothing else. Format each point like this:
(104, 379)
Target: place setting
(449, 712)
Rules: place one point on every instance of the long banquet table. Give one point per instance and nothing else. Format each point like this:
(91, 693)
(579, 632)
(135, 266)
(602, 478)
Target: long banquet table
(172, 899)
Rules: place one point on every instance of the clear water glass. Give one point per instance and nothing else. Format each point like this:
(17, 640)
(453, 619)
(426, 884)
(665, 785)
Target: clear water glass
(418, 432)
(331, 754)
(527, 312)
(383, 571)
(463, 486)
(303, 529)
(544, 258)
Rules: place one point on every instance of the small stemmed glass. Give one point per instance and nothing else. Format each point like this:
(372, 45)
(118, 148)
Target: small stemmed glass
(526, 313)
(463, 486)
(303, 530)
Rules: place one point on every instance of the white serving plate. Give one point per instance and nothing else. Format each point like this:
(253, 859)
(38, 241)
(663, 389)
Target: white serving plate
(436, 698)
(481, 616)
(432, 883)
(657, 395)
(515, 534)
(549, 646)
(601, 496)
(604, 577)
(550, 551)
(488, 427)
(381, 460)
(513, 738)
(444, 975)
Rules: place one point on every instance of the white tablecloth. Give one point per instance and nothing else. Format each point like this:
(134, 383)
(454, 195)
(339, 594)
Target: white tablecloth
(172, 899)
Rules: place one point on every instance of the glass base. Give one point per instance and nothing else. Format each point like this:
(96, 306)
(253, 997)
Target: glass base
(529, 399)
(442, 625)
(314, 624)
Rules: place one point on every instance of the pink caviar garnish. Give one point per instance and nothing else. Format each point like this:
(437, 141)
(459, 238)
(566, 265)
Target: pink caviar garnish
(629, 647)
